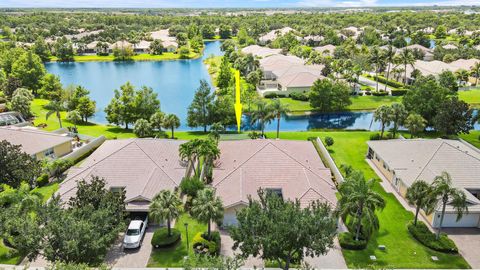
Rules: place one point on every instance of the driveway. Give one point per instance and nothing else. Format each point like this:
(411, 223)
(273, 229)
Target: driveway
(373, 83)
(468, 243)
(117, 257)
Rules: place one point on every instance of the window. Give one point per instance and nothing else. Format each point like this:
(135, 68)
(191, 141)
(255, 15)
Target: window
(133, 232)
(49, 153)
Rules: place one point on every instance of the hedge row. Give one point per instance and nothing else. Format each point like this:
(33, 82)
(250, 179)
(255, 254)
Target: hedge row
(347, 241)
(428, 239)
(399, 92)
(299, 96)
(161, 239)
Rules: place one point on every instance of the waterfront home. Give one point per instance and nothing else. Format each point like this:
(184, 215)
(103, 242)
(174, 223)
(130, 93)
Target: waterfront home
(121, 44)
(326, 50)
(83, 34)
(169, 46)
(142, 47)
(162, 34)
(284, 75)
(141, 167)
(427, 53)
(291, 169)
(272, 35)
(38, 144)
(403, 161)
(260, 51)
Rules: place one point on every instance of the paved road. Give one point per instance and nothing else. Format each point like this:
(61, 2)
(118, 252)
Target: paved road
(373, 83)
(117, 257)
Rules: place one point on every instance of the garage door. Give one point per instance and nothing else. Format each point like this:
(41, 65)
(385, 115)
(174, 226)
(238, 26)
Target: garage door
(450, 220)
(230, 219)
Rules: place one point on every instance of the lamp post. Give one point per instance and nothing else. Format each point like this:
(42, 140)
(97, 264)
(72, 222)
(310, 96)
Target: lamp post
(186, 232)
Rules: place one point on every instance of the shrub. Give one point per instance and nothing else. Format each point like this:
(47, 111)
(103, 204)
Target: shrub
(329, 141)
(190, 186)
(428, 239)
(375, 137)
(391, 83)
(399, 92)
(380, 93)
(270, 95)
(299, 96)
(42, 180)
(202, 245)
(254, 135)
(347, 241)
(161, 239)
(57, 167)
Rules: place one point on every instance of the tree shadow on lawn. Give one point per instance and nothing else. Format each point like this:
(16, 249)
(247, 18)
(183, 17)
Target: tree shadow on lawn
(168, 257)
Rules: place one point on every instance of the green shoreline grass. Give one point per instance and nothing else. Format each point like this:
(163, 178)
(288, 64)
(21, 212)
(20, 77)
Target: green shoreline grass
(139, 57)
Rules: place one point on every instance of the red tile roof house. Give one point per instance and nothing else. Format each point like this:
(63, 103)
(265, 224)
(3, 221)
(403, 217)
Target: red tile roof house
(144, 167)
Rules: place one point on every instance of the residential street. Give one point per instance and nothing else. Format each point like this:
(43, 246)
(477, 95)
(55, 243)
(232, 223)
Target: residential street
(372, 83)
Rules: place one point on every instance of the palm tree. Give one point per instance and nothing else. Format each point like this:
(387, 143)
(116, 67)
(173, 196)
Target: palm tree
(405, 58)
(383, 114)
(398, 115)
(55, 107)
(74, 117)
(209, 151)
(377, 60)
(215, 130)
(417, 195)
(442, 193)
(389, 55)
(263, 114)
(462, 75)
(278, 109)
(165, 206)
(475, 71)
(415, 123)
(187, 152)
(360, 201)
(172, 122)
(207, 208)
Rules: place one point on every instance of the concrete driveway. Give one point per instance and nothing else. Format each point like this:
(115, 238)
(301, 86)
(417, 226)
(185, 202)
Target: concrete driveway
(468, 243)
(117, 257)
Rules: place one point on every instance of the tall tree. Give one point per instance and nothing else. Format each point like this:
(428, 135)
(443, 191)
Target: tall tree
(18, 167)
(55, 107)
(165, 206)
(172, 122)
(405, 58)
(282, 230)
(156, 120)
(86, 107)
(377, 61)
(383, 114)
(444, 192)
(454, 116)
(210, 152)
(278, 109)
(328, 96)
(475, 71)
(360, 201)
(199, 111)
(415, 124)
(225, 75)
(262, 115)
(21, 102)
(30, 70)
(122, 109)
(389, 55)
(417, 195)
(208, 208)
(52, 88)
(398, 116)
(146, 103)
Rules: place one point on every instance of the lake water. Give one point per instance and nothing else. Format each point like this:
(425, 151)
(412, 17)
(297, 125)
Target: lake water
(175, 82)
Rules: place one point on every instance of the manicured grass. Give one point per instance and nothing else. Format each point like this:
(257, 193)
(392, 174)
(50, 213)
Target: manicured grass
(5, 257)
(47, 191)
(359, 103)
(138, 57)
(473, 137)
(471, 97)
(402, 250)
(173, 257)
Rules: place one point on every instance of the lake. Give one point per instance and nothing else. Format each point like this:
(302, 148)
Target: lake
(175, 82)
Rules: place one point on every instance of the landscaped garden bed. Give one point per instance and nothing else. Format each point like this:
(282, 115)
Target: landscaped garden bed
(428, 239)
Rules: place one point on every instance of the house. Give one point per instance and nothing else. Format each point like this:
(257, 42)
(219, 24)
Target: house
(284, 75)
(353, 31)
(403, 161)
(142, 47)
(428, 54)
(121, 44)
(291, 169)
(141, 167)
(260, 52)
(162, 35)
(170, 46)
(38, 144)
(11, 118)
(449, 47)
(272, 35)
(326, 50)
(312, 40)
(83, 34)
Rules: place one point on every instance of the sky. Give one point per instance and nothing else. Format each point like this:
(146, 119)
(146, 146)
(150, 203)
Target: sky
(226, 3)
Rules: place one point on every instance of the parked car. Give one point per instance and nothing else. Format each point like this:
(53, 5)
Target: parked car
(135, 232)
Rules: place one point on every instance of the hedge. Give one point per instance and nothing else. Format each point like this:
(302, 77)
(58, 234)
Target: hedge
(200, 242)
(428, 239)
(299, 96)
(399, 92)
(384, 80)
(380, 93)
(42, 180)
(347, 241)
(273, 95)
(160, 238)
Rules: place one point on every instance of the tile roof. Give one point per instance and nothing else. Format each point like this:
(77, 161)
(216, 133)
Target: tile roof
(260, 51)
(293, 166)
(32, 141)
(324, 49)
(274, 34)
(425, 159)
(143, 166)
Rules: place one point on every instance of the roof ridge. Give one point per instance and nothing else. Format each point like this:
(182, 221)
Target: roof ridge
(429, 160)
(171, 179)
(318, 193)
(466, 153)
(148, 181)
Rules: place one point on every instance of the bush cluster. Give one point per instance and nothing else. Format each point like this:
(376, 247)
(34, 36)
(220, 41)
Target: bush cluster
(375, 137)
(42, 180)
(399, 92)
(191, 186)
(160, 238)
(299, 96)
(273, 95)
(390, 83)
(380, 93)
(347, 241)
(428, 239)
(202, 245)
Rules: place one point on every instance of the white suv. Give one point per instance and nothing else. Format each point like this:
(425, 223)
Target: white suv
(135, 232)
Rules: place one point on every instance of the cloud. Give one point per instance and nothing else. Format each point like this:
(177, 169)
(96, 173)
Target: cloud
(332, 3)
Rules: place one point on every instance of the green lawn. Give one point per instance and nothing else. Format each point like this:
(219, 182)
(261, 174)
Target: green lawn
(473, 137)
(402, 250)
(471, 97)
(5, 257)
(138, 57)
(47, 191)
(173, 257)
